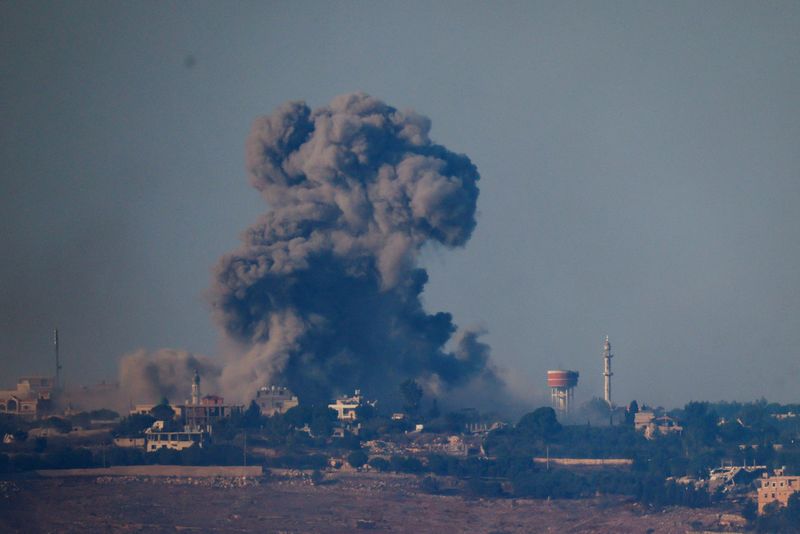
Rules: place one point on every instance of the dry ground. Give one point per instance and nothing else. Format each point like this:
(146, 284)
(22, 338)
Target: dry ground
(350, 502)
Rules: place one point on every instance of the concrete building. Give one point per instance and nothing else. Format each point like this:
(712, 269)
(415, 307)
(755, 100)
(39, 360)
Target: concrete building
(777, 488)
(158, 437)
(144, 409)
(275, 399)
(653, 425)
(129, 443)
(203, 412)
(206, 412)
(31, 398)
(347, 407)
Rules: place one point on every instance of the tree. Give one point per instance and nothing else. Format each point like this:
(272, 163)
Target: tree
(357, 458)
(134, 425)
(750, 510)
(381, 464)
(630, 413)
(541, 423)
(60, 424)
(163, 411)
(322, 421)
(412, 395)
(299, 415)
(700, 424)
(365, 412)
(252, 416)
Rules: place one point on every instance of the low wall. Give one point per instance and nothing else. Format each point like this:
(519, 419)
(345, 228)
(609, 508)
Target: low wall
(197, 471)
(586, 462)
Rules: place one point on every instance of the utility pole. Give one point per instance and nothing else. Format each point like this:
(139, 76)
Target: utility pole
(58, 362)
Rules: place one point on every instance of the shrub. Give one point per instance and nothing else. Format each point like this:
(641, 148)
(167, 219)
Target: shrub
(379, 463)
(357, 458)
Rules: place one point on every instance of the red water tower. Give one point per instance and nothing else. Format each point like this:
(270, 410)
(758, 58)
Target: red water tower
(562, 384)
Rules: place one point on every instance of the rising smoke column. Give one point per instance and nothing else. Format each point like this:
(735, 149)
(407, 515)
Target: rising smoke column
(149, 376)
(324, 293)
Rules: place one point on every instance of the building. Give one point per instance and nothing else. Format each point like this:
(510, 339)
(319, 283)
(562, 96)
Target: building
(203, 412)
(275, 399)
(31, 398)
(158, 437)
(777, 488)
(207, 411)
(130, 443)
(653, 425)
(730, 477)
(144, 409)
(347, 407)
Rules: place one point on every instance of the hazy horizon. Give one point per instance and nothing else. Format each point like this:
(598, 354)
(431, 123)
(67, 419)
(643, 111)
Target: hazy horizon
(639, 177)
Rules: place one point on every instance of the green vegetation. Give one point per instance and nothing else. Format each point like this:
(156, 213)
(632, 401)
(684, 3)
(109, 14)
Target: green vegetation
(778, 518)
(303, 438)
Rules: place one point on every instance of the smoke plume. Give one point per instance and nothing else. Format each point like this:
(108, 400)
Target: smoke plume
(324, 293)
(150, 376)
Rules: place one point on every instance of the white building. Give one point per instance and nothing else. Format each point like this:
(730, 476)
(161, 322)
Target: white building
(347, 407)
(157, 437)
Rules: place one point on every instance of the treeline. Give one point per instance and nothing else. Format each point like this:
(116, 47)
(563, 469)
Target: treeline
(748, 435)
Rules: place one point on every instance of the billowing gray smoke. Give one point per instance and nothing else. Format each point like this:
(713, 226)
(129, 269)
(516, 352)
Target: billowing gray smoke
(150, 376)
(323, 295)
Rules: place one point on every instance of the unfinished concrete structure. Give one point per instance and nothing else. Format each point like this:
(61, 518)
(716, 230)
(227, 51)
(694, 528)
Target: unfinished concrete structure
(777, 488)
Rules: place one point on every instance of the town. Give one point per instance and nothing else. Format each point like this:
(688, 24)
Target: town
(742, 458)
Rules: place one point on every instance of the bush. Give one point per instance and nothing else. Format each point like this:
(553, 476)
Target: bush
(357, 458)
(134, 425)
(406, 464)
(61, 425)
(379, 463)
(429, 484)
(479, 488)
(69, 458)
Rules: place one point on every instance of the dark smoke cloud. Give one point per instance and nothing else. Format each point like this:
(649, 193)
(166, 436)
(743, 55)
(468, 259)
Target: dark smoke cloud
(147, 377)
(324, 293)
